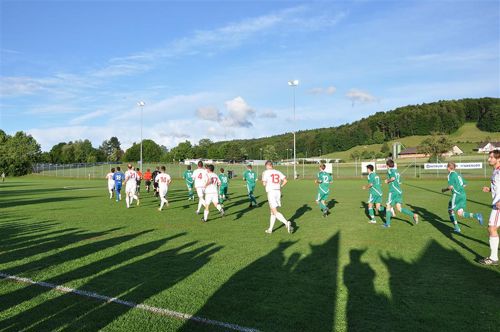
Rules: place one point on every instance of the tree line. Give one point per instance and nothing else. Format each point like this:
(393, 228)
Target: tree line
(18, 152)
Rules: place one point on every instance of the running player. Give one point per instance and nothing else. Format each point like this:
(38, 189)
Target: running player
(323, 179)
(375, 196)
(211, 193)
(147, 179)
(224, 183)
(458, 199)
(494, 223)
(200, 177)
(130, 186)
(395, 197)
(188, 177)
(163, 180)
(118, 177)
(139, 179)
(274, 180)
(111, 182)
(250, 177)
(155, 184)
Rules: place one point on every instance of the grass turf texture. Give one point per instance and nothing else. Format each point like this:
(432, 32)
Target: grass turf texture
(333, 274)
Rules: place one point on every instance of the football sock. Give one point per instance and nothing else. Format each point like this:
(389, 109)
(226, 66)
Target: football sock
(407, 212)
(200, 203)
(272, 220)
(371, 213)
(468, 215)
(219, 207)
(494, 248)
(281, 218)
(452, 218)
(163, 202)
(388, 216)
(322, 206)
(381, 209)
(205, 214)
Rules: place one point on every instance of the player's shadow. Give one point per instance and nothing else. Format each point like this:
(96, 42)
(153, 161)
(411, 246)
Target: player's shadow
(447, 195)
(332, 203)
(21, 202)
(445, 227)
(279, 292)
(241, 212)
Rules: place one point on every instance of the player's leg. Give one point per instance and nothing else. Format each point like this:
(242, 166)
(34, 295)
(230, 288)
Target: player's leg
(201, 201)
(218, 206)
(388, 212)
(493, 225)
(272, 220)
(451, 214)
(207, 201)
(221, 195)
(371, 212)
(277, 203)
(250, 189)
(406, 211)
(461, 203)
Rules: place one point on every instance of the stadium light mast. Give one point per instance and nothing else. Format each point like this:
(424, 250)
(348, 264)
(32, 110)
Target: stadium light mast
(294, 84)
(141, 105)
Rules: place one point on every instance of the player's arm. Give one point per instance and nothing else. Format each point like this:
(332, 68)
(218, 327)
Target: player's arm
(447, 189)
(368, 186)
(284, 182)
(389, 180)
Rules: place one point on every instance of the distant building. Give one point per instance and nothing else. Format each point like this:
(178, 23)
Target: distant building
(413, 153)
(455, 151)
(486, 147)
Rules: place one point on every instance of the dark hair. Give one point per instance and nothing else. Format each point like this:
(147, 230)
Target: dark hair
(188, 166)
(370, 167)
(137, 169)
(118, 168)
(249, 166)
(222, 170)
(269, 162)
(113, 170)
(390, 163)
(495, 153)
(322, 166)
(163, 168)
(200, 163)
(210, 167)
(451, 165)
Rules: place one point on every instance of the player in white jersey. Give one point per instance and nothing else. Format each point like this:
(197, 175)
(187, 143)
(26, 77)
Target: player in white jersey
(163, 180)
(494, 223)
(274, 180)
(212, 193)
(130, 186)
(111, 182)
(200, 177)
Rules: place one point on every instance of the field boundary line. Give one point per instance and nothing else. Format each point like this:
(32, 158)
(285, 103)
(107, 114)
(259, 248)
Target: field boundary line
(145, 307)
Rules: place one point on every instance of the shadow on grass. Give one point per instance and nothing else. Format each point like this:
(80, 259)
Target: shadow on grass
(447, 195)
(21, 202)
(278, 294)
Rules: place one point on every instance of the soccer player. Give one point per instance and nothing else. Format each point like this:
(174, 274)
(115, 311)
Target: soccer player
(224, 182)
(211, 193)
(458, 199)
(274, 180)
(139, 179)
(375, 190)
(250, 177)
(147, 179)
(494, 223)
(395, 197)
(323, 179)
(130, 186)
(111, 182)
(155, 184)
(188, 177)
(118, 177)
(3, 176)
(200, 177)
(163, 180)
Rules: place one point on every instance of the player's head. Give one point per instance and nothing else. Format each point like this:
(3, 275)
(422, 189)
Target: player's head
(210, 168)
(494, 158)
(118, 168)
(200, 164)
(322, 166)
(222, 170)
(269, 164)
(129, 166)
(369, 168)
(188, 167)
(249, 166)
(451, 166)
(137, 169)
(163, 169)
(390, 163)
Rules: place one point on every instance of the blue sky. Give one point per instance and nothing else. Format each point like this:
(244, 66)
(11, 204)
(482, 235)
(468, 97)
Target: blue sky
(76, 69)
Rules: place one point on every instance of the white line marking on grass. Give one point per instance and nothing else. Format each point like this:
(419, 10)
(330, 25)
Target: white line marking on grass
(108, 299)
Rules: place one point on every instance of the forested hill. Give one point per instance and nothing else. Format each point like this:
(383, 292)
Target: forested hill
(439, 117)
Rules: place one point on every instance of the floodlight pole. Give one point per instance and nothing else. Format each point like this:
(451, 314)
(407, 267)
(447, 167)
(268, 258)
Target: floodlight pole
(294, 84)
(141, 105)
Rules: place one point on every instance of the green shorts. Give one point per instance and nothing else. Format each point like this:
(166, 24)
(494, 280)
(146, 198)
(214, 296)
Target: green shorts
(189, 185)
(457, 202)
(321, 196)
(394, 198)
(374, 198)
(223, 191)
(250, 188)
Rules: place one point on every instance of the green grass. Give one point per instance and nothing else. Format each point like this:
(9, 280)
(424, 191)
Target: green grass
(333, 274)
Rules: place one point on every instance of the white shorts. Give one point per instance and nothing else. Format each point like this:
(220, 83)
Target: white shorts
(274, 198)
(200, 191)
(111, 186)
(163, 191)
(130, 188)
(211, 198)
(494, 218)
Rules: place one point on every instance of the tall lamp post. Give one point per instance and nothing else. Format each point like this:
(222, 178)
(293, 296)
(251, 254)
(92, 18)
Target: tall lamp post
(141, 105)
(294, 84)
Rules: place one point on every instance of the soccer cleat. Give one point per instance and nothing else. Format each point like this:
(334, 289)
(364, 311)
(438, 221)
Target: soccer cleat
(487, 261)
(457, 229)
(415, 218)
(480, 219)
(372, 222)
(197, 212)
(251, 205)
(386, 225)
(269, 231)
(138, 202)
(289, 227)
(159, 209)
(203, 220)
(222, 212)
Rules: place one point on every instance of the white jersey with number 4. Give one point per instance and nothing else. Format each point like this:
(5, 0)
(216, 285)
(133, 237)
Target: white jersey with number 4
(200, 177)
(273, 179)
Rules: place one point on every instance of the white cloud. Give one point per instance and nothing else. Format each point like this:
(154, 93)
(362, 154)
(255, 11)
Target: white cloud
(239, 113)
(269, 114)
(209, 113)
(330, 90)
(88, 116)
(356, 95)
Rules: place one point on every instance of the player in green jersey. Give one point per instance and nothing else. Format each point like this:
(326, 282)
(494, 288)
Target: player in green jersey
(188, 177)
(375, 190)
(250, 177)
(458, 199)
(323, 179)
(224, 183)
(395, 197)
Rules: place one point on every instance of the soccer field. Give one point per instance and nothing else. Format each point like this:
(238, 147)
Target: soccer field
(332, 274)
